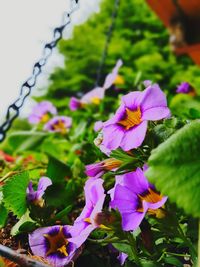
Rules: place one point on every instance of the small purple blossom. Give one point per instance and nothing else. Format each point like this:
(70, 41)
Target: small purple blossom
(40, 112)
(147, 83)
(36, 196)
(52, 243)
(97, 94)
(127, 129)
(183, 88)
(134, 196)
(122, 258)
(86, 222)
(96, 170)
(74, 104)
(58, 124)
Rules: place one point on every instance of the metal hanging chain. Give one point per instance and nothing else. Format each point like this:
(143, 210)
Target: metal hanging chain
(108, 40)
(14, 109)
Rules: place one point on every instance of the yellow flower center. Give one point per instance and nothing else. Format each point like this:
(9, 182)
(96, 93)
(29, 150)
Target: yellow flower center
(45, 118)
(95, 100)
(102, 226)
(119, 80)
(87, 220)
(151, 197)
(57, 243)
(132, 118)
(60, 126)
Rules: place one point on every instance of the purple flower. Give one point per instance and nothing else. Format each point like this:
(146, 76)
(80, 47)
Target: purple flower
(87, 221)
(52, 243)
(74, 104)
(127, 129)
(59, 124)
(112, 77)
(98, 126)
(122, 258)
(183, 88)
(96, 170)
(36, 196)
(40, 112)
(147, 83)
(134, 196)
(97, 94)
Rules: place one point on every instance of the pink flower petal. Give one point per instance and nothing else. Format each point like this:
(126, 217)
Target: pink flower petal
(112, 136)
(80, 239)
(98, 92)
(134, 137)
(152, 97)
(131, 221)
(113, 75)
(157, 205)
(154, 114)
(132, 100)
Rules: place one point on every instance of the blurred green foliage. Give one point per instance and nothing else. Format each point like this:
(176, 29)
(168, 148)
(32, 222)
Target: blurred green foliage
(139, 39)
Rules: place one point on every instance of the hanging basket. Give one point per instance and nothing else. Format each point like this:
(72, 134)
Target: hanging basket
(182, 18)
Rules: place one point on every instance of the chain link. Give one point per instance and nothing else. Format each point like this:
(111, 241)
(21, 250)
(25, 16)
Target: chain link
(26, 88)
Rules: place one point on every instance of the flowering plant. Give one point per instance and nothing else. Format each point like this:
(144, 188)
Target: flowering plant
(116, 182)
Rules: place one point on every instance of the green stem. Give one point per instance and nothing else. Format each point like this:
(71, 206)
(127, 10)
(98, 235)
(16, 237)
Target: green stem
(189, 243)
(198, 263)
(134, 249)
(177, 254)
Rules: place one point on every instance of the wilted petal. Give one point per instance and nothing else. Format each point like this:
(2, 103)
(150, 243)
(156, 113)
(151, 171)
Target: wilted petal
(95, 170)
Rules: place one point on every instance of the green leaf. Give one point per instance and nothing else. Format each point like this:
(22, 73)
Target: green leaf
(121, 155)
(73, 189)
(174, 167)
(173, 261)
(22, 140)
(63, 212)
(24, 221)
(146, 263)
(3, 215)
(55, 195)
(125, 248)
(57, 170)
(181, 105)
(14, 192)
(194, 114)
(27, 227)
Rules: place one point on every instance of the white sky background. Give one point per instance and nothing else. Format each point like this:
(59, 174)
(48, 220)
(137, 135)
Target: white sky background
(25, 26)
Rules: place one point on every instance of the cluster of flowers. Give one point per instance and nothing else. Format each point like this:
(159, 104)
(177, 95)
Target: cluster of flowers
(43, 112)
(132, 195)
(97, 94)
